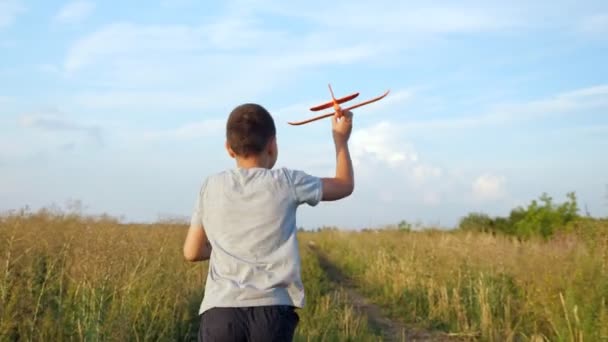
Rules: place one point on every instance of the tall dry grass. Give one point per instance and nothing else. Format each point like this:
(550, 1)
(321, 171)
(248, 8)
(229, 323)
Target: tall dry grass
(68, 277)
(486, 287)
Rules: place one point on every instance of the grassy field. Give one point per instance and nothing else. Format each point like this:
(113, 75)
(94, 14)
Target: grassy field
(65, 277)
(490, 288)
(68, 277)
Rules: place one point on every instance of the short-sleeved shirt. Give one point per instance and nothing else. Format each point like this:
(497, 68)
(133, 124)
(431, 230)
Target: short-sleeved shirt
(249, 216)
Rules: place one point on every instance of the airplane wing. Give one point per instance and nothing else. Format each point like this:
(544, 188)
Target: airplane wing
(331, 103)
(327, 115)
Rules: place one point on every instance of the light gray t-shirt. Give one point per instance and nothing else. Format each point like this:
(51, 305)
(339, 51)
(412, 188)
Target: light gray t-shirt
(249, 216)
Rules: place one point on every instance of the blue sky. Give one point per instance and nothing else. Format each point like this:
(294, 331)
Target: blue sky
(122, 105)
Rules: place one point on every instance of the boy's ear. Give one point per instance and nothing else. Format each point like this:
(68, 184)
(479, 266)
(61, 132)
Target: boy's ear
(230, 151)
(272, 147)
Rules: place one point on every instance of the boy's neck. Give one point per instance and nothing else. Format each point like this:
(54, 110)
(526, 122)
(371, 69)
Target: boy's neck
(251, 163)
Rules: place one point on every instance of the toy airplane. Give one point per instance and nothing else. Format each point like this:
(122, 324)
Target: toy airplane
(335, 103)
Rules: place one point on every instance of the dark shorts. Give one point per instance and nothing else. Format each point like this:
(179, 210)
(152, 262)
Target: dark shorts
(260, 323)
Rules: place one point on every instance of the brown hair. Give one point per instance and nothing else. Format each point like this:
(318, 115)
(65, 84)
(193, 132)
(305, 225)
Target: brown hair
(249, 129)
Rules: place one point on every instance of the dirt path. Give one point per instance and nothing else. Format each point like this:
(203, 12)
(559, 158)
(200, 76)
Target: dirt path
(391, 330)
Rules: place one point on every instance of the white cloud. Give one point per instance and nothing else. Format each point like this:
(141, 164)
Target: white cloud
(293, 110)
(53, 121)
(49, 69)
(565, 103)
(394, 99)
(319, 56)
(238, 32)
(177, 3)
(405, 18)
(193, 130)
(422, 173)
(398, 97)
(489, 187)
(144, 100)
(440, 20)
(589, 92)
(11, 151)
(381, 153)
(595, 25)
(238, 47)
(74, 12)
(193, 44)
(217, 62)
(431, 198)
(593, 129)
(212, 42)
(382, 142)
(124, 40)
(9, 10)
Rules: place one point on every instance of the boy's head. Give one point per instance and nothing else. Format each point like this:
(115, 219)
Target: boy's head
(250, 133)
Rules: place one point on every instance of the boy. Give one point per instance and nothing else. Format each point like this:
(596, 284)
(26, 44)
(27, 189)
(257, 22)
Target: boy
(244, 221)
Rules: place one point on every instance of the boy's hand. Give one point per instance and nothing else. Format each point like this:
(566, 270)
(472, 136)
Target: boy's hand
(342, 127)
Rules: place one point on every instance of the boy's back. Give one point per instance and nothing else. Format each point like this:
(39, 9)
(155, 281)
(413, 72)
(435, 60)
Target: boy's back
(244, 222)
(249, 215)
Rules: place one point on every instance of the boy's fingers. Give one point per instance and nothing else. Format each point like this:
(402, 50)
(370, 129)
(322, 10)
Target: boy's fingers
(348, 115)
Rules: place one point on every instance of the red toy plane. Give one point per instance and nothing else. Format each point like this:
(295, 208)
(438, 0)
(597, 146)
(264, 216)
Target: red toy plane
(335, 103)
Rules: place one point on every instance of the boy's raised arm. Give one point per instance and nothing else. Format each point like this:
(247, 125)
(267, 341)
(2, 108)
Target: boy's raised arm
(343, 184)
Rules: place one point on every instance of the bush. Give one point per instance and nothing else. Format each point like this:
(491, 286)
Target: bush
(478, 222)
(540, 218)
(546, 218)
(404, 226)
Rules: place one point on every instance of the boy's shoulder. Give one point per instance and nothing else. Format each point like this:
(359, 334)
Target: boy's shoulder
(283, 171)
(290, 175)
(304, 187)
(294, 176)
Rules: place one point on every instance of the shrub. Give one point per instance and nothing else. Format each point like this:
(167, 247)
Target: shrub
(478, 222)
(540, 218)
